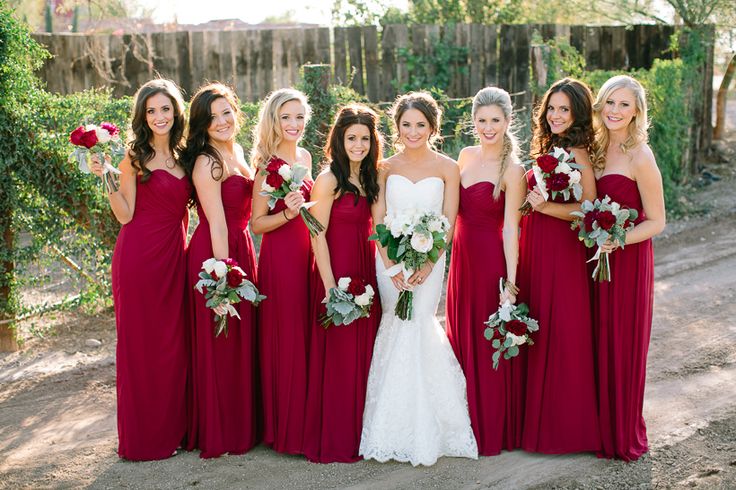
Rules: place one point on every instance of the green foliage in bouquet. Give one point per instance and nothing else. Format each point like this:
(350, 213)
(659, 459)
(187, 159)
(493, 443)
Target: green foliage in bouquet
(509, 328)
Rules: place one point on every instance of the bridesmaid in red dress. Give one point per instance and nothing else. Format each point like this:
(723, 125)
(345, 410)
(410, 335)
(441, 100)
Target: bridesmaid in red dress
(622, 311)
(283, 269)
(224, 379)
(149, 275)
(340, 356)
(561, 412)
(485, 249)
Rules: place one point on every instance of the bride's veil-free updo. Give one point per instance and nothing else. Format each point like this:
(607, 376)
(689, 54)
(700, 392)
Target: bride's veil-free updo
(424, 103)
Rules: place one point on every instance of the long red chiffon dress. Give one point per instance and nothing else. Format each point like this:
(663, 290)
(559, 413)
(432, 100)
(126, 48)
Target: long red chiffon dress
(225, 405)
(340, 356)
(561, 411)
(477, 262)
(623, 322)
(283, 270)
(148, 285)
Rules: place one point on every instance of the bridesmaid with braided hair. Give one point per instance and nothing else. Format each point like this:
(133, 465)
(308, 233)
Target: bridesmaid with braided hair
(486, 249)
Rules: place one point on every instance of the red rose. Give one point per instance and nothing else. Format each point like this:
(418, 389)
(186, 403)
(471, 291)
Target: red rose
(274, 180)
(88, 139)
(234, 278)
(557, 182)
(606, 220)
(110, 128)
(516, 327)
(76, 137)
(356, 287)
(274, 164)
(547, 163)
(589, 218)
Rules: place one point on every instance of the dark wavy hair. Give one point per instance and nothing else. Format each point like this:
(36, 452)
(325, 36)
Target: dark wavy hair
(580, 134)
(424, 103)
(140, 149)
(338, 159)
(200, 118)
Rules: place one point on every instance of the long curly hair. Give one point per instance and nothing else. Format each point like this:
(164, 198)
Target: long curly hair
(200, 119)
(267, 133)
(580, 134)
(500, 98)
(637, 129)
(338, 159)
(424, 103)
(139, 145)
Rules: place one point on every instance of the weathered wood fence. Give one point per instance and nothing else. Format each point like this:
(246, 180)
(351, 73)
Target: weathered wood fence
(258, 61)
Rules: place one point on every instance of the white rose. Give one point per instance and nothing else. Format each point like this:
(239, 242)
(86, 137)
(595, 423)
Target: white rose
(343, 283)
(574, 177)
(363, 300)
(563, 168)
(397, 225)
(421, 243)
(558, 152)
(435, 225)
(285, 172)
(517, 339)
(220, 269)
(103, 135)
(267, 188)
(369, 290)
(209, 265)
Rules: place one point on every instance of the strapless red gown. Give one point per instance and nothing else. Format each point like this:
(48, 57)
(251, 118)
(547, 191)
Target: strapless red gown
(561, 411)
(340, 357)
(224, 412)
(148, 285)
(623, 322)
(495, 397)
(283, 270)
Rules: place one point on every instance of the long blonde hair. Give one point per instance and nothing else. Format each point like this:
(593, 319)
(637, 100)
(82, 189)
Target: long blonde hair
(267, 133)
(510, 155)
(637, 129)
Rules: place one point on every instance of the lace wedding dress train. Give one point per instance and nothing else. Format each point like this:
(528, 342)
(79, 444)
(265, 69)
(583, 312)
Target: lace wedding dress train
(416, 407)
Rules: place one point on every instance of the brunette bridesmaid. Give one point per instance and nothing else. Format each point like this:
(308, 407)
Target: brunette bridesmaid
(485, 249)
(224, 415)
(284, 267)
(627, 172)
(340, 356)
(149, 276)
(560, 414)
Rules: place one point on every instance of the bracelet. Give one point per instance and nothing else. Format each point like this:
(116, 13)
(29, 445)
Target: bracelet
(513, 288)
(283, 211)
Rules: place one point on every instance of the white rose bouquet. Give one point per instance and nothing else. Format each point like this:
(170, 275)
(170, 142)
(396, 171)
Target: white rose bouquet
(350, 300)
(281, 179)
(223, 284)
(411, 239)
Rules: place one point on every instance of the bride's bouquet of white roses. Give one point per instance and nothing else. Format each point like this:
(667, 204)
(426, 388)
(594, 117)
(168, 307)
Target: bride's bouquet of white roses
(411, 239)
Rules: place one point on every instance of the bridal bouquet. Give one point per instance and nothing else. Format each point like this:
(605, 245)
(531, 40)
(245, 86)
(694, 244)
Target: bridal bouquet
(223, 284)
(411, 239)
(555, 173)
(101, 139)
(282, 178)
(508, 329)
(599, 221)
(350, 300)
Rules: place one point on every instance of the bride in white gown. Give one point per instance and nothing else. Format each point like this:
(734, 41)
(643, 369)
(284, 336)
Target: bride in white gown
(416, 408)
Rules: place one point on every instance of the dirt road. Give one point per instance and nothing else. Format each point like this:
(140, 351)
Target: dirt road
(57, 401)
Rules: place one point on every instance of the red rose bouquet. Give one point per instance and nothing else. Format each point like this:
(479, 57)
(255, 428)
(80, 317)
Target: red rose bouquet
(509, 328)
(282, 178)
(101, 139)
(223, 284)
(350, 300)
(555, 174)
(599, 222)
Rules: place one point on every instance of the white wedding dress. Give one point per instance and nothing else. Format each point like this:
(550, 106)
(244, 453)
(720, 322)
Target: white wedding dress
(416, 408)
